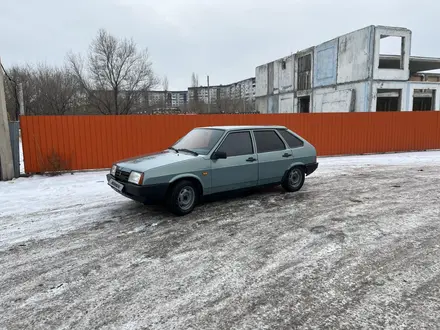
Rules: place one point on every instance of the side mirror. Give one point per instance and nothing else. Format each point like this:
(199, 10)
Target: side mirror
(219, 155)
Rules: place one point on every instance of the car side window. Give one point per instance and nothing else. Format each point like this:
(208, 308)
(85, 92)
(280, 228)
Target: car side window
(237, 144)
(291, 139)
(268, 141)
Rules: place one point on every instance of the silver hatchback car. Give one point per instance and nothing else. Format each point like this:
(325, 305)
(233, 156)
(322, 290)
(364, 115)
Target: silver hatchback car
(211, 160)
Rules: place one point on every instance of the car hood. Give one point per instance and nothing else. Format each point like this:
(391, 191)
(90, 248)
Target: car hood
(149, 161)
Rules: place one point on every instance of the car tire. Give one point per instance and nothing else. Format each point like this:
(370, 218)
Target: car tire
(182, 198)
(294, 179)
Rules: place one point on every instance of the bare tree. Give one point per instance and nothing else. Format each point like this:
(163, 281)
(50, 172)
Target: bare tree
(115, 75)
(47, 90)
(195, 104)
(13, 75)
(57, 90)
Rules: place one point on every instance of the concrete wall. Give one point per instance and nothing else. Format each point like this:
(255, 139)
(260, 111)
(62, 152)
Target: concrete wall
(392, 74)
(325, 64)
(274, 86)
(270, 77)
(342, 98)
(283, 78)
(345, 98)
(261, 104)
(261, 81)
(405, 96)
(355, 55)
(286, 103)
(279, 103)
(273, 104)
(422, 85)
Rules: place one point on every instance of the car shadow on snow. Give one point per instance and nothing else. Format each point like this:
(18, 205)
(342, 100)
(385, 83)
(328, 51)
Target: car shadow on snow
(130, 218)
(262, 195)
(133, 215)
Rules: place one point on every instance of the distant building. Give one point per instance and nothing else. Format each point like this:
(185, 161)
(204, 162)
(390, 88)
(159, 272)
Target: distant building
(240, 94)
(164, 99)
(350, 73)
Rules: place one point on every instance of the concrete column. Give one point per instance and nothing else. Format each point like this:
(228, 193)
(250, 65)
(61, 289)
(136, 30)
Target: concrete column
(6, 163)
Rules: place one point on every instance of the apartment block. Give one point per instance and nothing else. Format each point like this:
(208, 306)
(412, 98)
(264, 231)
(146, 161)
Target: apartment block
(244, 89)
(163, 99)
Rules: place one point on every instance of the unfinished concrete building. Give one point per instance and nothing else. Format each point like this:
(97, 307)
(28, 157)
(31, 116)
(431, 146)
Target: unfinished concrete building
(350, 73)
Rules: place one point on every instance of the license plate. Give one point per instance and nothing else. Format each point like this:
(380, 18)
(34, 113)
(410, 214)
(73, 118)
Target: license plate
(118, 186)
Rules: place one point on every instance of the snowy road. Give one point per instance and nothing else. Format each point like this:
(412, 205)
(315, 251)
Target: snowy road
(358, 247)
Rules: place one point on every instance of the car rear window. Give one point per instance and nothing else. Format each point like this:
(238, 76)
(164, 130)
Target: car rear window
(291, 139)
(268, 141)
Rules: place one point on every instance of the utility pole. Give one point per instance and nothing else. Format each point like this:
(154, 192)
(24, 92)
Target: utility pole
(21, 99)
(209, 96)
(243, 95)
(6, 162)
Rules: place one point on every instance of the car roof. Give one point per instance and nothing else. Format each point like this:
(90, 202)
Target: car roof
(241, 127)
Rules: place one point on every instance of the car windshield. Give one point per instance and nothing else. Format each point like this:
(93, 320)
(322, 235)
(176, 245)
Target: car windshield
(199, 140)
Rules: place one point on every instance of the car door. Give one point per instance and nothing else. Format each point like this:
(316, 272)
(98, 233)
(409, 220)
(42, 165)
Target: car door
(300, 154)
(274, 157)
(240, 168)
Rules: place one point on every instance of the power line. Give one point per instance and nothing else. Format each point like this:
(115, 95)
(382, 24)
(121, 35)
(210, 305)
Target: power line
(6, 74)
(17, 103)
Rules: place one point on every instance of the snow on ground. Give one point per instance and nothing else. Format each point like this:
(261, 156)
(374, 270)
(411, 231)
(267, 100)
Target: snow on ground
(40, 206)
(39, 203)
(410, 158)
(21, 157)
(357, 247)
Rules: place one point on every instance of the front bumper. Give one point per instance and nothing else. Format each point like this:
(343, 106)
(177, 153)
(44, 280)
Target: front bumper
(310, 168)
(150, 194)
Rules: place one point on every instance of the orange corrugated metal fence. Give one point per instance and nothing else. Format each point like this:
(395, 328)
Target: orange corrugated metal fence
(94, 142)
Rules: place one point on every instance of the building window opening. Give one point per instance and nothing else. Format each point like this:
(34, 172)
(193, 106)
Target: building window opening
(388, 100)
(283, 65)
(391, 52)
(304, 72)
(424, 100)
(304, 104)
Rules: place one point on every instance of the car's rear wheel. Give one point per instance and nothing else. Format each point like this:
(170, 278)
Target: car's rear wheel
(182, 198)
(294, 180)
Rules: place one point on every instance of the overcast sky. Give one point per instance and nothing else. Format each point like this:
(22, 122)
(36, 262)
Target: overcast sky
(226, 39)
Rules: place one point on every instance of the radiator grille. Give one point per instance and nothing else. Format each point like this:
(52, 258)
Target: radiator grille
(122, 175)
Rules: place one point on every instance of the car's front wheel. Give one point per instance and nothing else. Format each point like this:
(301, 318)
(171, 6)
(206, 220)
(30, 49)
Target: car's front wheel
(294, 180)
(182, 198)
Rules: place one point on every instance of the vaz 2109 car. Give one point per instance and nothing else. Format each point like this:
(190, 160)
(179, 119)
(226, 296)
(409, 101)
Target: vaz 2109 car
(211, 160)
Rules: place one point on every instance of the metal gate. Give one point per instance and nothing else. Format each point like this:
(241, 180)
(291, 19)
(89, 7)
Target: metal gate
(14, 133)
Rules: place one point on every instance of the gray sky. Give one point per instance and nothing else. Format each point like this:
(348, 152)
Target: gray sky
(226, 39)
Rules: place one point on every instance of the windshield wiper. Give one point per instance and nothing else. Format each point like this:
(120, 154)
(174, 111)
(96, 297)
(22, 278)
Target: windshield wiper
(171, 148)
(187, 150)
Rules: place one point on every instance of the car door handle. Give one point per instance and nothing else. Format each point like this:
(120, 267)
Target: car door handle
(287, 155)
(251, 159)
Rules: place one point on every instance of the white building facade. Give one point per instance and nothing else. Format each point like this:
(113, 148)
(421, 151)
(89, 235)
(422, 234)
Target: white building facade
(349, 74)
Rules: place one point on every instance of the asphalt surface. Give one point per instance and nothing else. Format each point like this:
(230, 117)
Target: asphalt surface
(357, 248)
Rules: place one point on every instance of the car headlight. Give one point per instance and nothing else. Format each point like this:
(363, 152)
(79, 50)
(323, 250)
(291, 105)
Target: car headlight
(135, 177)
(113, 170)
